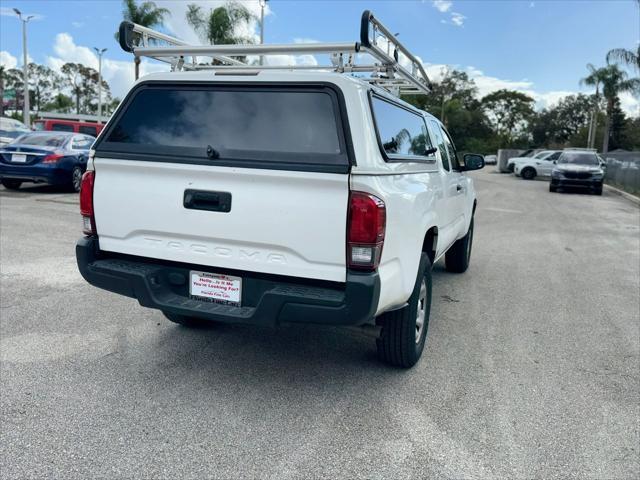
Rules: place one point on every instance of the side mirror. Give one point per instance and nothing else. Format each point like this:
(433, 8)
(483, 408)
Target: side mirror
(473, 161)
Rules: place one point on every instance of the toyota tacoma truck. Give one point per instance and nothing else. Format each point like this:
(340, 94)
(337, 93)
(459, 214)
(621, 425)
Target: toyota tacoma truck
(276, 196)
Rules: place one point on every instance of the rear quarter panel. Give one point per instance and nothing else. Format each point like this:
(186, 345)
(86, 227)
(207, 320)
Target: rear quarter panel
(410, 200)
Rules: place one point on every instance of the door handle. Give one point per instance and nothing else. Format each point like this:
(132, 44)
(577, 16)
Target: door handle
(210, 201)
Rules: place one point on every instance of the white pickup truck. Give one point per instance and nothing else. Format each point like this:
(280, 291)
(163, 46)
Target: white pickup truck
(277, 197)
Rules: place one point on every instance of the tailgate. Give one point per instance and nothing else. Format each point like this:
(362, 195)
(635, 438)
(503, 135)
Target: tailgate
(279, 222)
(249, 176)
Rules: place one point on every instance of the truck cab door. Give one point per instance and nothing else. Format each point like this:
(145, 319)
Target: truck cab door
(461, 184)
(450, 215)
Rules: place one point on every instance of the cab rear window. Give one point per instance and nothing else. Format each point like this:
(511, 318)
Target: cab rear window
(217, 123)
(402, 133)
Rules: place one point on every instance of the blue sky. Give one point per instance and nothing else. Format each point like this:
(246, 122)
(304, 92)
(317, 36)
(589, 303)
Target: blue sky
(540, 47)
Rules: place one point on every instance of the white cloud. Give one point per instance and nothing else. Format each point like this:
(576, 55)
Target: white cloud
(7, 60)
(77, 24)
(66, 50)
(304, 40)
(442, 5)
(630, 104)
(118, 73)
(457, 19)
(285, 60)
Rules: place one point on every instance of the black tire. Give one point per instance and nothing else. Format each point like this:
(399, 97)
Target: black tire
(552, 188)
(11, 184)
(598, 191)
(76, 179)
(189, 322)
(528, 173)
(458, 256)
(511, 167)
(402, 338)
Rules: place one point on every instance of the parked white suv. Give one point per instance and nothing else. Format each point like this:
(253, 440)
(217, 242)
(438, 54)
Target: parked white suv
(279, 197)
(540, 164)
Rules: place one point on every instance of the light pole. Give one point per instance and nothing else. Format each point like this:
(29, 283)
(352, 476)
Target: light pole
(99, 52)
(25, 68)
(263, 3)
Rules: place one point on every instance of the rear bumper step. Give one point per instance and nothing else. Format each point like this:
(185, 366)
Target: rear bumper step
(266, 300)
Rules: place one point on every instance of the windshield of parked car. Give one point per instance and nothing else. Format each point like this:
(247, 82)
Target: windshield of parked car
(11, 128)
(580, 158)
(43, 140)
(541, 154)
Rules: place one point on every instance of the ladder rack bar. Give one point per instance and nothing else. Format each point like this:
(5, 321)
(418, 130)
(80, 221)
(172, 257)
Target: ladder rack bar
(389, 70)
(244, 50)
(368, 20)
(131, 34)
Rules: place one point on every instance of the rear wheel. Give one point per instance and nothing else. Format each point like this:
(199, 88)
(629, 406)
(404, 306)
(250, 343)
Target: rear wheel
(458, 256)
(76, 178)
(404, 331)
(11, 183)
(190, 322)
(511, 167)
(528, 173)
(552, 188)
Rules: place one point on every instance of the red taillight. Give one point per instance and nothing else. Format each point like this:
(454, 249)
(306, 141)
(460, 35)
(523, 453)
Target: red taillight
(53, 158)
(86, 203)
(365, 231)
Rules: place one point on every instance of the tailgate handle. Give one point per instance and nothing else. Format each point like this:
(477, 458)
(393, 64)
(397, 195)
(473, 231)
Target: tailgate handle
(211, 201)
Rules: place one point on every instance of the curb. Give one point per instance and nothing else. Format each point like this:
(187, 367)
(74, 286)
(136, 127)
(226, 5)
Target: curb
(622, 193)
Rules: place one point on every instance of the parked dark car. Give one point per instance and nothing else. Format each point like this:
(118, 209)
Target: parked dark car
(578, 169)
(56, 158)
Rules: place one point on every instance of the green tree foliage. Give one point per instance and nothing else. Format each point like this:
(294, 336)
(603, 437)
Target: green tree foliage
(220, 26)
(454, 101)
(83, 83)
(509, 113)
(557, 125)
(631, 134)
(44, 83)
(147, 14)
(60, 103)
(614, 82)
(10, 79)
(626, 57)
(112, 105)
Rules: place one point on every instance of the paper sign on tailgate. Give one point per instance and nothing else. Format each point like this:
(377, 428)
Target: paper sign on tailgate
(216, 288)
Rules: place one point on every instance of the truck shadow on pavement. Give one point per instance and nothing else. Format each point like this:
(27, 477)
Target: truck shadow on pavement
(291, 350)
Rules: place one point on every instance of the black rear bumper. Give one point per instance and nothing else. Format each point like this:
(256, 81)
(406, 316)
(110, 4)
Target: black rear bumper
(266, 299)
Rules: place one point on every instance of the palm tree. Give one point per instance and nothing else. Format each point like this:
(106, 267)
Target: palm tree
(628, 57)
(594, 79)
(146, 14)
(220, 25)
(614, 82)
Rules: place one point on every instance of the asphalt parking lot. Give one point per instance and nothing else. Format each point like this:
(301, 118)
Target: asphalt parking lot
(531, 370)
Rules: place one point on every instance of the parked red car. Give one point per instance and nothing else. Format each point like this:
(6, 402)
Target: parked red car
(57, 125)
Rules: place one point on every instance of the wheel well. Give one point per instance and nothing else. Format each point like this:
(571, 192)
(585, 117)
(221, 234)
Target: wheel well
(430, 243)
